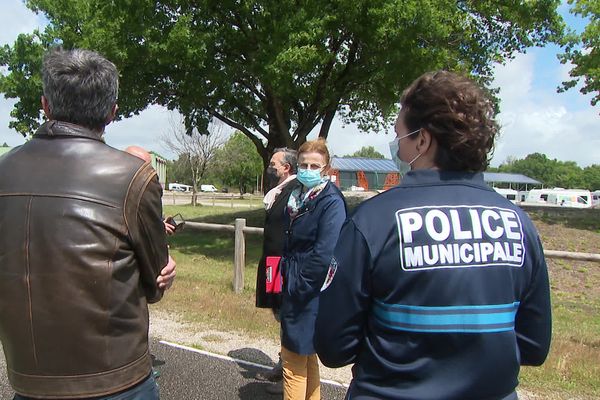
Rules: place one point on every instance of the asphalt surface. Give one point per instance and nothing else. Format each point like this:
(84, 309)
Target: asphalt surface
(190, 375)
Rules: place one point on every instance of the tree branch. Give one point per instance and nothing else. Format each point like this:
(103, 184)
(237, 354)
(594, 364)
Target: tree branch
(253, 89)
(257, 142)
(251, 115)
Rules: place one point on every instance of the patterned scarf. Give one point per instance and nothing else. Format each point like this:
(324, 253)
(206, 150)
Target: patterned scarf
(297, 199)
(272, 194)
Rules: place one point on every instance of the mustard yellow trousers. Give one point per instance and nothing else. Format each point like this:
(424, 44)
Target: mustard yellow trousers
(301, 380)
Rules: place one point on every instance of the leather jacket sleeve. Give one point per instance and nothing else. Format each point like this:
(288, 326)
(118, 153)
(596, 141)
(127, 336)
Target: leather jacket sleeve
(147, 231)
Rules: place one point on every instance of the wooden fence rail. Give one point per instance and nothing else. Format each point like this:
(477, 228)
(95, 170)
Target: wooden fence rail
(239, 256)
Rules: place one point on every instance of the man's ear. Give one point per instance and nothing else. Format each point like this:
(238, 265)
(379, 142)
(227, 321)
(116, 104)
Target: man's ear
(46, 107)
(113, 114)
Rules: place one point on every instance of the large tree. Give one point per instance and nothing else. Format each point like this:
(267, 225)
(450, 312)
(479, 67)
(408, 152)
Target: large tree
(583, 50)
(276, 70)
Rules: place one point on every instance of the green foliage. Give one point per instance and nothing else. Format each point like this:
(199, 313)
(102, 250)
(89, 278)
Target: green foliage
(554, 173)
(591, 177)
(178, 171)
(238, 164)
(275, 70)
(24, 61)
(366, 152)
(583, 50)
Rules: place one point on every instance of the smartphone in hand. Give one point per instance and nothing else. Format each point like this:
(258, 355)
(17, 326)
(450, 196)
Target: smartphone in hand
(176, 221)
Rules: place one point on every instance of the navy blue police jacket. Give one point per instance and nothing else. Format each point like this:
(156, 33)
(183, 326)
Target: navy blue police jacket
(438, 289)
(310, 239)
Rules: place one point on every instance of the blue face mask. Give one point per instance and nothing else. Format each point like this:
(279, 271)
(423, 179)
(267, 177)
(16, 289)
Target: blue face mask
(402, 166)
(309, 177)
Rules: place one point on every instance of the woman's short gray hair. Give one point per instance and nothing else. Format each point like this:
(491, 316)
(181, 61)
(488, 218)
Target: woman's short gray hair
(81, 87)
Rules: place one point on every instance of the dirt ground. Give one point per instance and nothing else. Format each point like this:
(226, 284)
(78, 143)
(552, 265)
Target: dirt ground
(568, 275)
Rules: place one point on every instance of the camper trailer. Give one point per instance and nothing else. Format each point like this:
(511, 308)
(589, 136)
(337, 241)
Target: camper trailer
(596, 198)
(510, 194)
(522, 196)
(538, 196)
(576, 198)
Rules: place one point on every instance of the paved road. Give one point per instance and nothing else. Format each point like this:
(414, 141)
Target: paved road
(188, 375)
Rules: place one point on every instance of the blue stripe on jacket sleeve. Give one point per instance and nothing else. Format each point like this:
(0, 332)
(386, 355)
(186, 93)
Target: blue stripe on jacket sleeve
(483, 318)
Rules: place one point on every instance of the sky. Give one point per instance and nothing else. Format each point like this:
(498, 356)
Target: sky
(533, 116)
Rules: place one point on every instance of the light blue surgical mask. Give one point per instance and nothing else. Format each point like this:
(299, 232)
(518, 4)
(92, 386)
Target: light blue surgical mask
(309, 177)
(403, 166)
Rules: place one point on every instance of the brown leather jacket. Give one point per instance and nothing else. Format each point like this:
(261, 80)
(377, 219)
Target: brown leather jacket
(81, 245)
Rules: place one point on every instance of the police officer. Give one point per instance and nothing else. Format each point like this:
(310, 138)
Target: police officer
(438, 288)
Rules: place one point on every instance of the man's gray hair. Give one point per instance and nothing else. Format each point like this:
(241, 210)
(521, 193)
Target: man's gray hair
(81, 87)
(289, 157)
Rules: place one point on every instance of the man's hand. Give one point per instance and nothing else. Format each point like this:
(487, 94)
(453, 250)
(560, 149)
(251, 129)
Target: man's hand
(169, 229)
(167, 275)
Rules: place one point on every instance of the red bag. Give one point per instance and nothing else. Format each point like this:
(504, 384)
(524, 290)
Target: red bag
(273, 273)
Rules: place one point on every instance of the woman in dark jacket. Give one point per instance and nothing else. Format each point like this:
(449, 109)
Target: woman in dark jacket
(316, 213)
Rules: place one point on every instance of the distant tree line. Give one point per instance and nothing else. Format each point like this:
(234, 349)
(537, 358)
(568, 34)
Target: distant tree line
(552, 172)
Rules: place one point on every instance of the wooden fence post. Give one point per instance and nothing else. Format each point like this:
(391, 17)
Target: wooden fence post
(173, 198)
(239, 257)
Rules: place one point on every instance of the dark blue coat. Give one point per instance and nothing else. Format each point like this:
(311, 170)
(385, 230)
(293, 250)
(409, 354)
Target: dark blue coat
(440, 292)
(311, 238)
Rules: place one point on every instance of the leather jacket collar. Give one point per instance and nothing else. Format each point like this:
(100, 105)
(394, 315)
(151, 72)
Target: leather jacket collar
(60, 128)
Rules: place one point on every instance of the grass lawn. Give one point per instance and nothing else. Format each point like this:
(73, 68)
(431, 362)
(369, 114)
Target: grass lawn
(203, 296)
(203, 293)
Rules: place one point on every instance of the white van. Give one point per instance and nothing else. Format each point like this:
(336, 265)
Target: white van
(510, 194)
(576, 198)
(208, 188)
(179, 187)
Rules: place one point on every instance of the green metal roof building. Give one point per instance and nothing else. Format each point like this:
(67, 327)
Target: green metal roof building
(160, 165)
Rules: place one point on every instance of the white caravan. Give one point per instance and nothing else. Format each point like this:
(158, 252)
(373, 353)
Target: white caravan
(510, 194)
(522, 196)
(576, 198)
(596, 198)
(538, 196)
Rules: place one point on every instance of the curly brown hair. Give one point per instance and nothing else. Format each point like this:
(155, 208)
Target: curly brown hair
(458, 113)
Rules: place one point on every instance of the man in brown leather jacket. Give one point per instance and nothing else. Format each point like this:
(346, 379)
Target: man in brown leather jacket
(82, 246)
